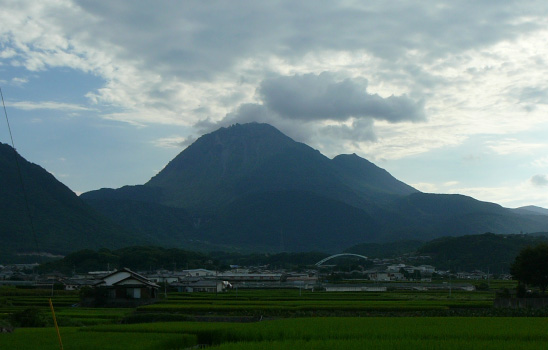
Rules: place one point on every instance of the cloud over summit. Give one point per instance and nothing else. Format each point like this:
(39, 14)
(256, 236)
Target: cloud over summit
(311, 97)
(337, 108)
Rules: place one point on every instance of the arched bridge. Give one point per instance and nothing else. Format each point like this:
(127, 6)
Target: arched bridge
(319, 263)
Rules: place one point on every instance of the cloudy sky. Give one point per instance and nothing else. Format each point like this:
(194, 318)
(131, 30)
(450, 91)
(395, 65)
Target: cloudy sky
(448, 96)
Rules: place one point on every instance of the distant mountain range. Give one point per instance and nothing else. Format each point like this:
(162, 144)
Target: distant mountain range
(248, 188)
(251, 187)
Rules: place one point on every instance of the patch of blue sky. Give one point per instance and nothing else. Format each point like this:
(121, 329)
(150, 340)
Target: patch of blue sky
(87, 152)
(63, 85)
(473, 163)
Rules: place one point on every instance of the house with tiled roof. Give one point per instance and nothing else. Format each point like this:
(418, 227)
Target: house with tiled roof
(125, 287)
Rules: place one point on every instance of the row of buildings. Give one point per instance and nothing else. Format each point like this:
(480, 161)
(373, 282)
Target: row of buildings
(145, 285)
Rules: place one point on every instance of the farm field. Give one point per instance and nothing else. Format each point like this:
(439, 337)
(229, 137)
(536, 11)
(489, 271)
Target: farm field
(298, 333)
(292, 303)
(279, 319)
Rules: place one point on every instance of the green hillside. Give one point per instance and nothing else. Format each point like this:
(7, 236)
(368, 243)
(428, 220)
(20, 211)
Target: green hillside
(62, 221)
(485, 251)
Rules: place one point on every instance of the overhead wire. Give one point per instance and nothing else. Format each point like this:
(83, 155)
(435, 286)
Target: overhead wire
(20, 173)
(31, 221)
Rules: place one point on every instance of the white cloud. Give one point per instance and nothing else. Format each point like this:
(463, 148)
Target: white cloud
(540, 162)
(467, 69)
(19, 81)
(178, 142)
(512, 146)
(162, 63)
(539, 180)
(30, 105)
(426, 187)
(510, 195)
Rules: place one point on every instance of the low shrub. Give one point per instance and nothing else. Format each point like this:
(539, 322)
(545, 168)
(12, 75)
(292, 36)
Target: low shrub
(5, 326)
(29, 317)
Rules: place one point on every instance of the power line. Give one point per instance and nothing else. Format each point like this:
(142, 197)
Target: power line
(33, 231)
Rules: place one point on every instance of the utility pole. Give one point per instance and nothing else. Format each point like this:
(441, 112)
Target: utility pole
(450, 281)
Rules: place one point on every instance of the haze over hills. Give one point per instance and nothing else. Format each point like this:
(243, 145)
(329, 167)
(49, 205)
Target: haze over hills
(250, 186)
(62, 221)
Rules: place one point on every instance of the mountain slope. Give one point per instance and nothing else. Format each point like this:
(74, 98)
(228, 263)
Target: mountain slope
(253, 158)
(367, 178)
(427, 216)
(250, 185)
(485, 251)
(62, 221)
(293, 221)
(531, 210)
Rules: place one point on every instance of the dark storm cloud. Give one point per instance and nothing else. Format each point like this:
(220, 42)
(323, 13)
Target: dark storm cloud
(539, 180)
(321, 97)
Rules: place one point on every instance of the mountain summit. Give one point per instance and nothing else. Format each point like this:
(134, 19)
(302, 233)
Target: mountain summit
(252, 158)
(233, 162)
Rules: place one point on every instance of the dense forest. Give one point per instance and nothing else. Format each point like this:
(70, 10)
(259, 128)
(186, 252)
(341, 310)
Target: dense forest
(146, 258)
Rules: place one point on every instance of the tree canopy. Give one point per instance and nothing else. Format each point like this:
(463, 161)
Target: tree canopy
(531, 266)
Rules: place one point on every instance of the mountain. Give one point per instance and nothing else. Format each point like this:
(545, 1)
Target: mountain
(253, 158)
(243, 188)
(531, 210)
(385, 250)
(427, 216)
(251, 187)
(367, 178)
(485, 251)
(62, 221)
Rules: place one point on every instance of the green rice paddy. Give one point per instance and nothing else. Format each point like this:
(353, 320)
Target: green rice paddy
(371, 321)
(308, 333)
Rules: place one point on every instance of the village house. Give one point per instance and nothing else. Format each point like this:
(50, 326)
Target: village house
(125, 287)
(199, 273)
(353, 288)
(163, 278)
(201, 286)
(426, 269)
(474, 275)
(76, 283)
(250, 277)
(379, 276)
(302, 277)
